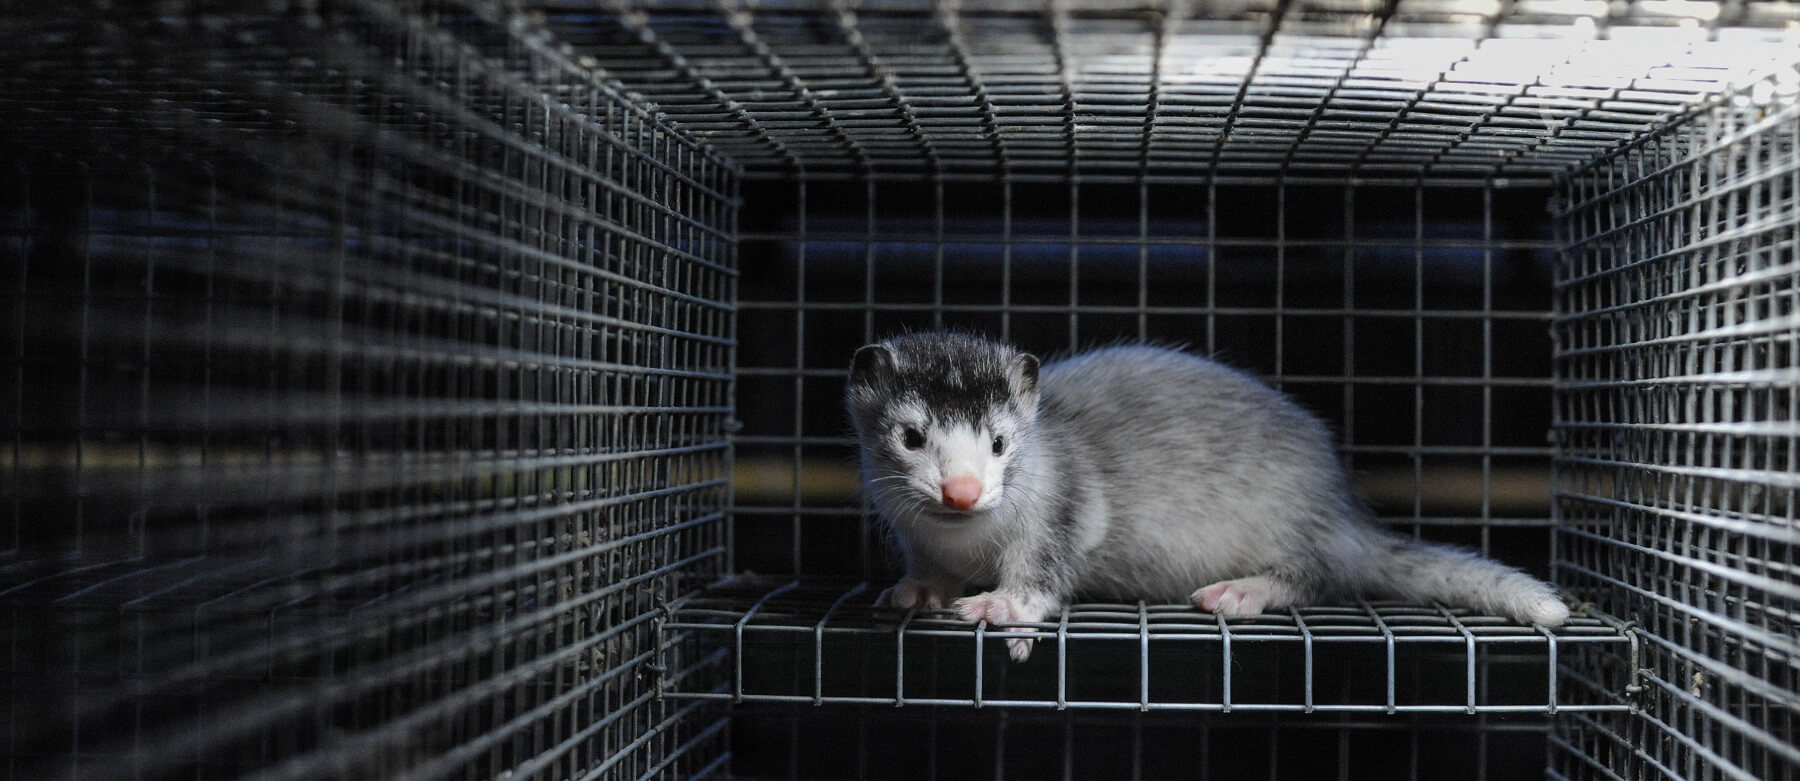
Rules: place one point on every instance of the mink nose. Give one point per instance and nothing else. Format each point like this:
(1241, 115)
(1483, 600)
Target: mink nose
(962, 492)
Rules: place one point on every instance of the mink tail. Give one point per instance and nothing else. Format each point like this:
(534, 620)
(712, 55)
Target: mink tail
(1418, 571)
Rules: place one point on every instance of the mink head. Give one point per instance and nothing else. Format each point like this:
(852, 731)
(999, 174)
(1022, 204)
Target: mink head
(939, 417)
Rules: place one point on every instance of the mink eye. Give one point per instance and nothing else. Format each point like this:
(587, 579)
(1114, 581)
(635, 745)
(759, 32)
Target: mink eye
(914, 438)
(999, 444)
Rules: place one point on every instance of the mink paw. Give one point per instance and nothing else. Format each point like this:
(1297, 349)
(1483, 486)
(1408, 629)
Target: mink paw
(910, 593)
(1240, 597)
(996, 608)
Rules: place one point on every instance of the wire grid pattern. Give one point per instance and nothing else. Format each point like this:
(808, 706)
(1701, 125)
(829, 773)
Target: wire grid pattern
(1678, 321)
(1412, 319)
(884, 742)
(367, 384)
(812, 642)
(1438, 88)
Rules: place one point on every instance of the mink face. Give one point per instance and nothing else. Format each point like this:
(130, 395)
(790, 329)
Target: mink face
(939, 417)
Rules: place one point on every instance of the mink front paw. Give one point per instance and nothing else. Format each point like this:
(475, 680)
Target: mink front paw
(912, 592)
(996, 608)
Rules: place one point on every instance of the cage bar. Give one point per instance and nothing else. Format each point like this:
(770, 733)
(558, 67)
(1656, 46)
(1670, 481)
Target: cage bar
(1676, 427)
(1172, 88)
(368, 391)
(793, 641)
(449, 388)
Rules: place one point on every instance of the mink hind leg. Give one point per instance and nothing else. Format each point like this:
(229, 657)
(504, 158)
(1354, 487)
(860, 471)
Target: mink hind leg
(1248, 596)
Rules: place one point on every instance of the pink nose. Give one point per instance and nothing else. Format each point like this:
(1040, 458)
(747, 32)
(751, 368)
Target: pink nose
(962, 492)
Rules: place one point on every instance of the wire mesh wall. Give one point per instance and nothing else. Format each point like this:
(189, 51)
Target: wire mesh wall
(368, 375)
(1679, 319)
(1170, 87)
(1413, 319)
(924, 742)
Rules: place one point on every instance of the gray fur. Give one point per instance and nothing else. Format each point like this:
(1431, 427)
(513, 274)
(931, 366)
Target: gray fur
(1131, 473)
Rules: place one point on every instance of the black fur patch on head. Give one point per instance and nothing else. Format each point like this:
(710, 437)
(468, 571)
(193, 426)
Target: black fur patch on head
(958, 376)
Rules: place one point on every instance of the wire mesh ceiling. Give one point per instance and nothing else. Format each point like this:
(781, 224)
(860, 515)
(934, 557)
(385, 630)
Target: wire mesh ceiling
(1452, 88)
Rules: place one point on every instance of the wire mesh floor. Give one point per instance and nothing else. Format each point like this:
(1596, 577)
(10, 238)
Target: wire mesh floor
(801, 640)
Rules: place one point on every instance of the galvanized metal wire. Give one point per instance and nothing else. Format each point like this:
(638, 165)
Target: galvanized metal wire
(1411, 318)
(807, 641)
(1678, 324)
(367, 381)
(920, 741)
(1440, 88)
(376, 378)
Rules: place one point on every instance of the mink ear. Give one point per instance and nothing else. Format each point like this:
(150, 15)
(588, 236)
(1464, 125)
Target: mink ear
(1025, 373)
(873, 364)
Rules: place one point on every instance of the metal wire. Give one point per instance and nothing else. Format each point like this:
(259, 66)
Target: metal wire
(883, 742)
(807, 641)
(372, 366)
(1172, 88)
(1676, 422)
(1411, 318)
(1362, 299)
(368, 385)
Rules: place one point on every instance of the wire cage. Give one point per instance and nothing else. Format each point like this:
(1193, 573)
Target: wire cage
(451, 388)
(368, 388)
